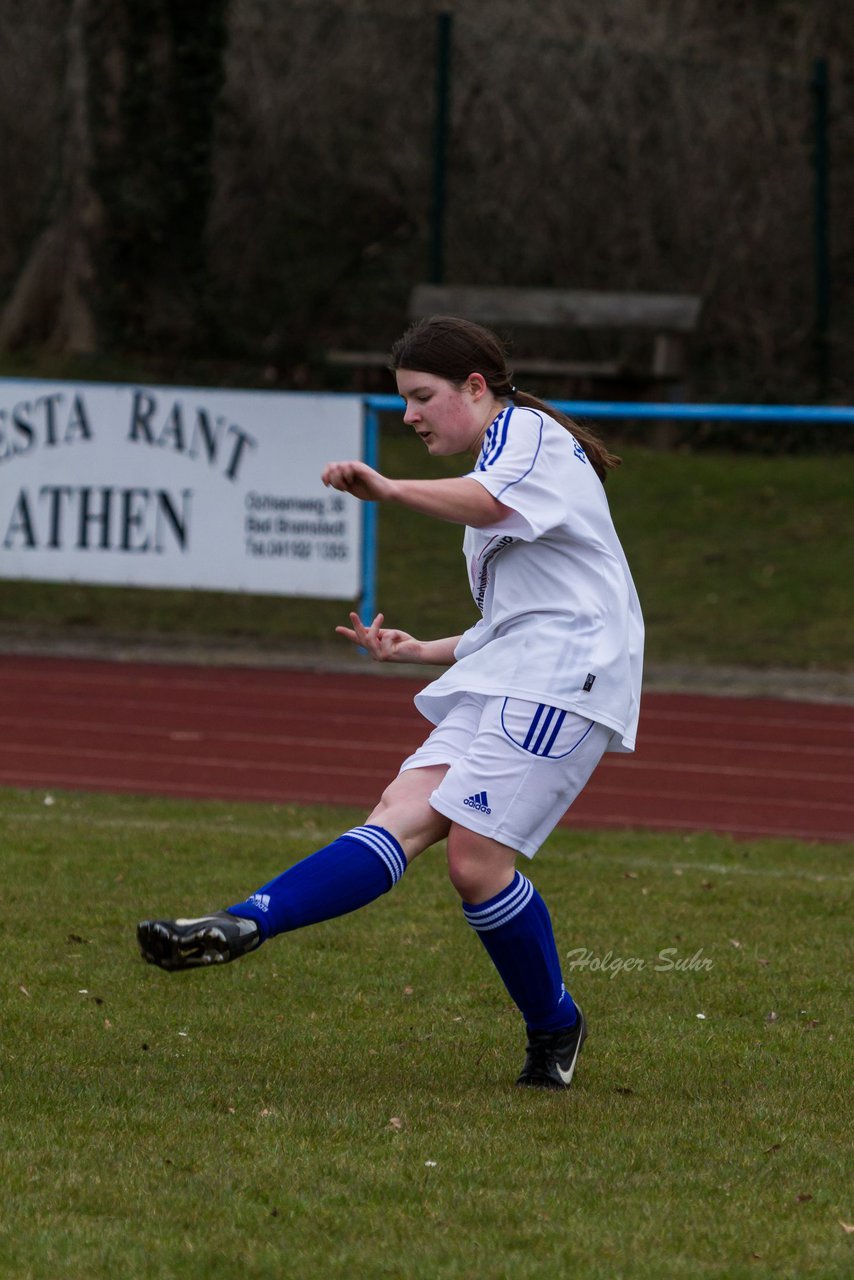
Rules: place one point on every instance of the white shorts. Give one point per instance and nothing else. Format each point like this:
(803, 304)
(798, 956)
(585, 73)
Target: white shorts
(515, 766)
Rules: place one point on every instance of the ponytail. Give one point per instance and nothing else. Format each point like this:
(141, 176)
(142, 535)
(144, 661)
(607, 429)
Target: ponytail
(598, 455)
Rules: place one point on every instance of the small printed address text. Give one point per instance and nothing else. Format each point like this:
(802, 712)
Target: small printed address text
(279, 527)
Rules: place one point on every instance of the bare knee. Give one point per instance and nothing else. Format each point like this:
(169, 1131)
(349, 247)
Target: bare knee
(479, 868)
(404, 810)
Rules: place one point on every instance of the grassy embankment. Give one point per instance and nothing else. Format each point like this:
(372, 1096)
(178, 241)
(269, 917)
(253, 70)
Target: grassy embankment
(738, 559)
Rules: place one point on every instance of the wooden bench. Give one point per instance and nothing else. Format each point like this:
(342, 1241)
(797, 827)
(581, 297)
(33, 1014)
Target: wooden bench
(552, 321)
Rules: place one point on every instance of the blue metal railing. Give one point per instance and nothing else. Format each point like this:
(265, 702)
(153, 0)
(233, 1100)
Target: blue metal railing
(825, 415)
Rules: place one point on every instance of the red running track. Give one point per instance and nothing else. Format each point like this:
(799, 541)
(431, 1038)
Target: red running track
(747, 766)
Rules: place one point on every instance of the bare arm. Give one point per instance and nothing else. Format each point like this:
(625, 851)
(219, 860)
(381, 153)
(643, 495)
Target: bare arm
(460, 500)
(386, 644)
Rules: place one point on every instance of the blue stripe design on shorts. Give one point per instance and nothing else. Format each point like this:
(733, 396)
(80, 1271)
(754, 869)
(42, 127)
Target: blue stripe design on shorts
(384, 845)
(498, 911)
(558, 723)
(535, 746)
(534, 722)
(550, 715)
(543, 731)
(581, 739)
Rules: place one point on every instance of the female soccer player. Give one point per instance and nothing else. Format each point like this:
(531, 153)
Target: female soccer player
(544, 683)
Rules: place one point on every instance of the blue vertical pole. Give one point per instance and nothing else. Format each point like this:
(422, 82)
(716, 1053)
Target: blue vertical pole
(370, 454)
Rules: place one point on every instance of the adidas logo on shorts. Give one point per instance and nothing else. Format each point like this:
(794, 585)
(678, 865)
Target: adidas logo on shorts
(478, 802)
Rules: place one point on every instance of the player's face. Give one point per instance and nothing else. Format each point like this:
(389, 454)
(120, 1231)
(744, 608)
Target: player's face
(449, 419)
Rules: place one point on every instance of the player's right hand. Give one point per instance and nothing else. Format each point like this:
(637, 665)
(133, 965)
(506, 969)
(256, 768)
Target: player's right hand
(359, 479)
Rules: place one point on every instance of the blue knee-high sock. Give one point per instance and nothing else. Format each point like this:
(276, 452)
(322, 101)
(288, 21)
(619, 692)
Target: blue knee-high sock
(343, 876)
(516, 929)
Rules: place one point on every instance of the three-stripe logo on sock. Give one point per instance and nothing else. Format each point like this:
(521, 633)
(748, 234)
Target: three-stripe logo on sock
(384, 846)
(502, 908)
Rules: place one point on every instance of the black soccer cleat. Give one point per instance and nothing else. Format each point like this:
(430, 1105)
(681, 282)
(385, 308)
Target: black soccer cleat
(551, 1056)
(188, 944)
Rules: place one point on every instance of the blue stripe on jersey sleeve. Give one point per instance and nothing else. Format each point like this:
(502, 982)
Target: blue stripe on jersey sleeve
(529, 469)
(495, 440)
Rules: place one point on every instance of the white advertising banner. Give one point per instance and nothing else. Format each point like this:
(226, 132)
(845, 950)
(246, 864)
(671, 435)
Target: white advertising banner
(178, 487)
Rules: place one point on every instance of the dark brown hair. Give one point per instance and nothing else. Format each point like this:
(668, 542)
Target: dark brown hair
(452, 348)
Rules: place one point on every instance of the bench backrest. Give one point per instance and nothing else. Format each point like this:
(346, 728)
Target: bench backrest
(558, 308)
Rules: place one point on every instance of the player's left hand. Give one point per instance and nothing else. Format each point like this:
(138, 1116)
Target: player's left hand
(384, 644)
(358, 479)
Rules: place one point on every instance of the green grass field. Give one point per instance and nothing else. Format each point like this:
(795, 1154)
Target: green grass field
(341, 1102)
(739, 560)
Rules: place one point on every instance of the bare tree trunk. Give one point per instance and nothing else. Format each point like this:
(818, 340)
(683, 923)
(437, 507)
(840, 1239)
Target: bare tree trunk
(50, 305)
(121, 259)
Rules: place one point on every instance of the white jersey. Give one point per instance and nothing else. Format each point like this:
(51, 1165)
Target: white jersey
(561, 620)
